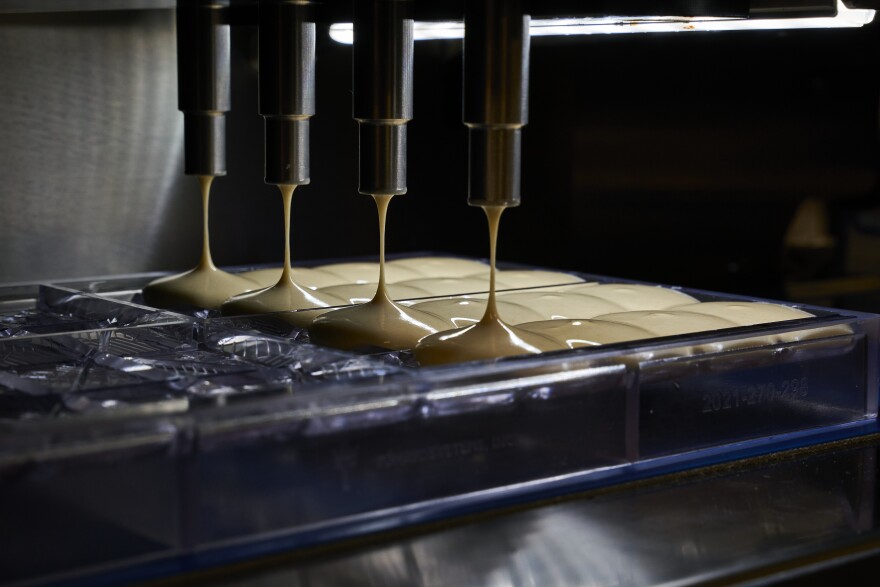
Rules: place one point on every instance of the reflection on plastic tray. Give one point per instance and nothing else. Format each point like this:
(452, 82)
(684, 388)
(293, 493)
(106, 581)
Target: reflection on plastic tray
(161, 434)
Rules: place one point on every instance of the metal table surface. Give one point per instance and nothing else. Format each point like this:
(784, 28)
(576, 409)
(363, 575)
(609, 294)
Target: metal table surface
(807, 513)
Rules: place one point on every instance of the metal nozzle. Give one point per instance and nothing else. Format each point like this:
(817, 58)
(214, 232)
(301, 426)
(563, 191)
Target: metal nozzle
(494, 171)
(287, 150)
(287, 87)
(203, 83)
(383, 101)
(382, 159)
(496, 80)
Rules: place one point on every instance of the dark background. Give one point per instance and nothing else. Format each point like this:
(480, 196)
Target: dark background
(677, 158)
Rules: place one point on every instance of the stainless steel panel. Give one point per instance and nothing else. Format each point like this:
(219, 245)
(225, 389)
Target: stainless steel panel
(32, 6)
(90, 151)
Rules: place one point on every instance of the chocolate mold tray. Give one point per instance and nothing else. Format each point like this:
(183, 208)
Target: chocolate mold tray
(173, 441)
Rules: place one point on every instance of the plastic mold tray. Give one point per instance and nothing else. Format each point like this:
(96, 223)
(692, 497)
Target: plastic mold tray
(136, 442)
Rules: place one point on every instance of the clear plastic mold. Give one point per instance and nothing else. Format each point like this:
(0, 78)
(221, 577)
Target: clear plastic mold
(165, 435)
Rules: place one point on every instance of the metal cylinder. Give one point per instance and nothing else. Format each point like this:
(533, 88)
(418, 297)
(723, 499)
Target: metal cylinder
(203, 69)
(494, 171)
(496, 81)
(287, 150)
(287, 87)
(382, 159)
(382, 72)
(204, 143)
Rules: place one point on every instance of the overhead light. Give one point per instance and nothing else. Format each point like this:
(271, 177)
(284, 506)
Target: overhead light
(427, 31)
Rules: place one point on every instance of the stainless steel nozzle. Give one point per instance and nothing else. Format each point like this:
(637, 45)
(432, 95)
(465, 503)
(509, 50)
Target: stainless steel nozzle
(203, 83)
(382, 67)
(287, 87)
(496, 81)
